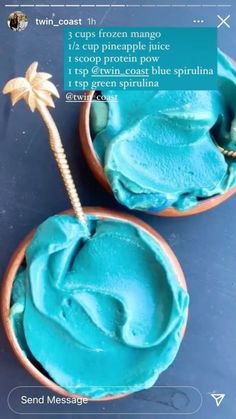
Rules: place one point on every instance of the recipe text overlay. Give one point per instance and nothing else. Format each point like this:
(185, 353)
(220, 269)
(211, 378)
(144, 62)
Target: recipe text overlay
(140, 58)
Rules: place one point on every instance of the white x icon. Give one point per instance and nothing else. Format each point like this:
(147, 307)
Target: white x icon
(223, 21)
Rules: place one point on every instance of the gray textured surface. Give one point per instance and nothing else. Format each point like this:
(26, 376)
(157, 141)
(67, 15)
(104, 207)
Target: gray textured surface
(31, 190)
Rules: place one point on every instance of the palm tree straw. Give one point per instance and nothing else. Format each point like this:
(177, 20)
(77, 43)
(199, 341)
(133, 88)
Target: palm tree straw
(36, 90)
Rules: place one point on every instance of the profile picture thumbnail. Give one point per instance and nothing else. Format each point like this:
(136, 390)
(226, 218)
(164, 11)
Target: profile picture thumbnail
(17, 21)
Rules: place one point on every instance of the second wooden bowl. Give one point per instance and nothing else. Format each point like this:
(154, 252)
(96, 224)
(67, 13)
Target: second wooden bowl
(98, 172)
(16, 262)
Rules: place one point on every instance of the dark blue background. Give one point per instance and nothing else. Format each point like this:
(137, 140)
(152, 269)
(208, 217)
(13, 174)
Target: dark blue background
(31, 190)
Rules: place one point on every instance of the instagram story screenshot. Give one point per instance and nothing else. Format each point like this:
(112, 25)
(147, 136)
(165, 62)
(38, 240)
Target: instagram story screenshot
(117, 209)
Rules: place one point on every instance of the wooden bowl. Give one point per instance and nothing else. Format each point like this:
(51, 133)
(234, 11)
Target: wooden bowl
(98, 172)
(16, 262)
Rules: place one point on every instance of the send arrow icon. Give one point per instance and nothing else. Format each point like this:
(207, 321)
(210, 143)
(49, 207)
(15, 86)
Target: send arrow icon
(218, 398)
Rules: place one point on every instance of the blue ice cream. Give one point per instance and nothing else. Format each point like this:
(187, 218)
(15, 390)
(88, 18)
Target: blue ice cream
(158, 147)
(104, 315)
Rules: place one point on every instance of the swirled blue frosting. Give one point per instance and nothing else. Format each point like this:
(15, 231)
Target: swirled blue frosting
(157, 147)
(102, 316)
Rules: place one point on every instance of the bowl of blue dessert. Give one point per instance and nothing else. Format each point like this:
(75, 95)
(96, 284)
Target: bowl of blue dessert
(100, 316)
(161, 151)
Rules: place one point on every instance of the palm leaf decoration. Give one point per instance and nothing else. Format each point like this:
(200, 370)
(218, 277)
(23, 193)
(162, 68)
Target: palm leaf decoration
(37, 91)
(34, 88)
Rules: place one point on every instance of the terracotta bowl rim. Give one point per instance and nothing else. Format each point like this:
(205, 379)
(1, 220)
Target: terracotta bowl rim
(98, 172)
(9, 277)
